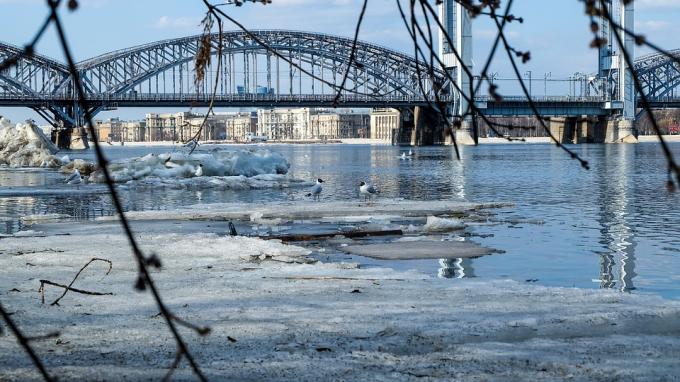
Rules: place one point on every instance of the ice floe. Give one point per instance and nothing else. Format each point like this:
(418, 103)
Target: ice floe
(339, 211)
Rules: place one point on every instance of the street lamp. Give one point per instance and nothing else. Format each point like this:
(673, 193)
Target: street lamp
(545, 83)
(528, 74)
(494, 75)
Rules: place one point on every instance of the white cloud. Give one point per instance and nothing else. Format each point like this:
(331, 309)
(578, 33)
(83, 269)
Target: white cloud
(168, 22)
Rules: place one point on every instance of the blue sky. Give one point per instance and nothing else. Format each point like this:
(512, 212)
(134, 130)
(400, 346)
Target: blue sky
(555, 31)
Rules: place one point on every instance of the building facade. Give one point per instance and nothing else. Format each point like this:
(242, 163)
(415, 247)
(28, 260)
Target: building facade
(167, 127)
(185, 126)
(286, 124)
(110, 130)
(385, 124)
(311, 124)
(239, 125)
(341, 125)
(133, 131)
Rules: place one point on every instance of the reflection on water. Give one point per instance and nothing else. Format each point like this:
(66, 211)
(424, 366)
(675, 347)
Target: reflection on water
(614, 224)
(617, 265)
(455, 268)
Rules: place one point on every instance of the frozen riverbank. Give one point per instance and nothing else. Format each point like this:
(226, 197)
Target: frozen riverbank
(275, 317)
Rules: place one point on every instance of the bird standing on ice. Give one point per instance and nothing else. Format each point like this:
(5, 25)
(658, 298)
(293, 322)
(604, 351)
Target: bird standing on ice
(366, 190)
(75, 178)
(410, 152)
(315, 192)
(403, 156)
(199, 170)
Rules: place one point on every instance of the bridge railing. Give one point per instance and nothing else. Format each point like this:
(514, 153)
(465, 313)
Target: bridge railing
(544, 99)
(249, 97)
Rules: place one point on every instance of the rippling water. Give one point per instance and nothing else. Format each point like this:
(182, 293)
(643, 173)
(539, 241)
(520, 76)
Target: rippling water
(614, 226)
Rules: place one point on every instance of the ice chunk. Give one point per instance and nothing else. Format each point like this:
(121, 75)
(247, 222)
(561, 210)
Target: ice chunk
(256, 217)
(84, 167)
(25, 145)
(435, 224)
(247, 163)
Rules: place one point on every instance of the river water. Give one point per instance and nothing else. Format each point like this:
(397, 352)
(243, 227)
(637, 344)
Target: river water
(613, 226)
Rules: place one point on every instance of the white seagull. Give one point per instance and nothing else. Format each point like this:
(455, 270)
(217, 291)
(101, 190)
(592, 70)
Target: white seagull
(74, 178)
(367, 190)
(403, 156)
(315, 192)
(410, 152)
(199, 170)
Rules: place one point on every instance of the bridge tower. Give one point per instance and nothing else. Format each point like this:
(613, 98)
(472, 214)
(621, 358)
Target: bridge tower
(458, 25)
(615, 75)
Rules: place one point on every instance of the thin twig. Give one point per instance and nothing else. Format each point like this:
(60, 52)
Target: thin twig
(56, 302)
(66, 289)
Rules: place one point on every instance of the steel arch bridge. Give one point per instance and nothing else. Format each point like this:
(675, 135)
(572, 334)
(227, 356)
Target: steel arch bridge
(660, 75)
(300, 69)
(162, 74)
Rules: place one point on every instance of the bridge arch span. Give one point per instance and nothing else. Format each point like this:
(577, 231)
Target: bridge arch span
(31, 75)
(659, 74)
(249, 68)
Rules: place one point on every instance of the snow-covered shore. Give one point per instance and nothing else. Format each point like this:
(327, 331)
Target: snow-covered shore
(274, 316)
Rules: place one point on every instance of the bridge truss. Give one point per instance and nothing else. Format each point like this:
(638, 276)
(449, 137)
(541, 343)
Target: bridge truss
(298, 69)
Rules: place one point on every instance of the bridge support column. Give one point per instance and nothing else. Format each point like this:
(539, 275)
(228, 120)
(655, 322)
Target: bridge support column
(427, 127)
(457, 37)
(619, 130)
(70, 138)
(68, 132)
(464, 135)
(565, 130)
(589, 129)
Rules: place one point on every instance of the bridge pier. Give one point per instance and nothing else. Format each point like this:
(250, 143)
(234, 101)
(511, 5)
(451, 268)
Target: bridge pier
(70, 138)
(590, 129)
(427, 127)
(568, 130)
(620, 130)
(564, 129)
(464, 134)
